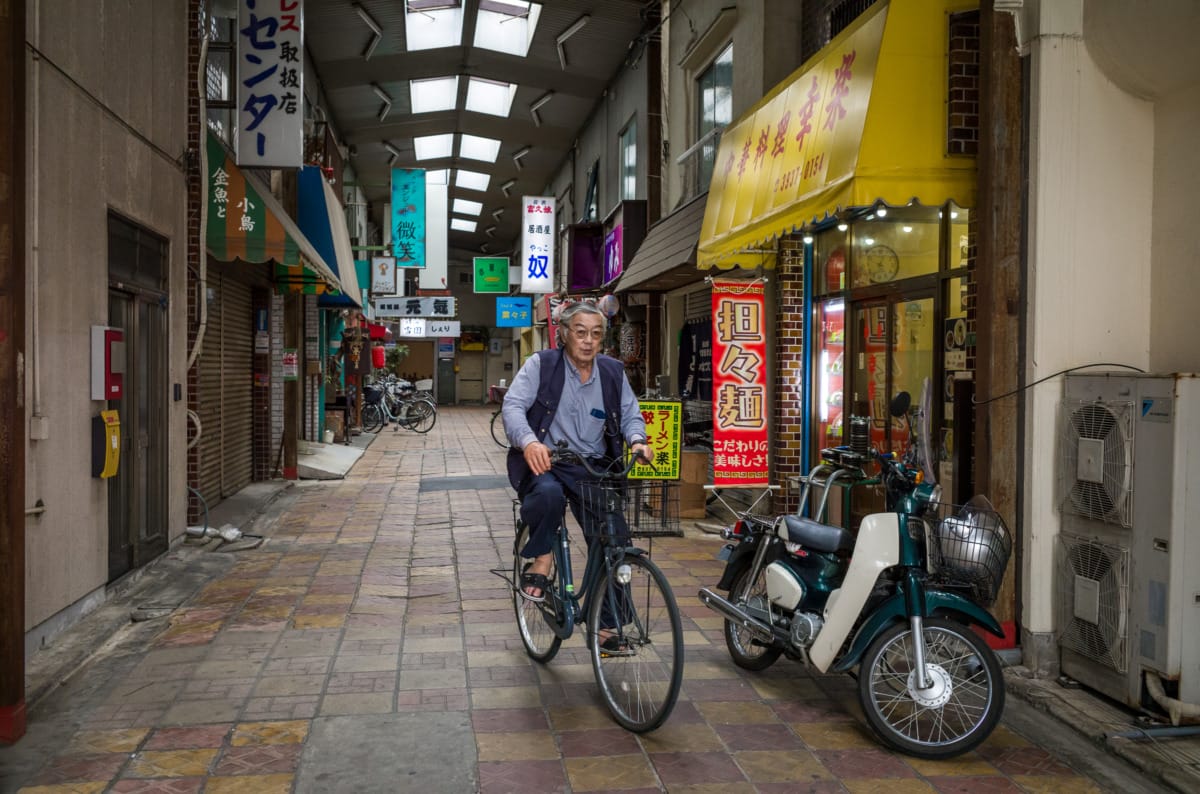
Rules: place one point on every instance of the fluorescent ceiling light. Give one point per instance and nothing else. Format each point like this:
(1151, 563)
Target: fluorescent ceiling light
(383, 97)
(393, 151)
(431, 147)
(517, 155)
(472, 180)
(561, 39)
(506, 25)
(489, 96)
(508, 186)
(462, 225)
(474, 147)
(537, 105)
(490, 231)
(376, 31)
(483, 248)
(433, 94)
(496, 213)
(434, 28)
(465, 207)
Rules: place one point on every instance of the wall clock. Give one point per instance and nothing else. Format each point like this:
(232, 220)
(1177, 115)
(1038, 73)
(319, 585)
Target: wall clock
(882, 264)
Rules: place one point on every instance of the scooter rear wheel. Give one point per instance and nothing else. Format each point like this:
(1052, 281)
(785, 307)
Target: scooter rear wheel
(746, 652)
(959, 708)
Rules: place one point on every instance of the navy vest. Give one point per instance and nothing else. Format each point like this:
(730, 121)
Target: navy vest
(550, 389)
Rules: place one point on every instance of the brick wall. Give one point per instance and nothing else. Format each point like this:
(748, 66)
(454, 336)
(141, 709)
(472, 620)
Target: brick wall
(962, 120)
(787, 451)
(972, 306)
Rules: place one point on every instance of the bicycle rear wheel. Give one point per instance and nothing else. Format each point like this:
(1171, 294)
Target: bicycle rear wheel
(498, 430)
(537, 622)
(372, 417)
(640, 677)
(418, 415)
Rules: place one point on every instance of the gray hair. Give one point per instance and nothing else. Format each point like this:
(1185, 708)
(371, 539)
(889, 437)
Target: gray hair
(580, 307)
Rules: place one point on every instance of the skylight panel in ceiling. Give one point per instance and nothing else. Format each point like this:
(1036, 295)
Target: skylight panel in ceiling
(489, 96)
(506, 25)
(464, 207)
(431, 24)
(462, 225)
(472, 180)
(433, 94)
(431, 147)
(438, 177)
(475, 148)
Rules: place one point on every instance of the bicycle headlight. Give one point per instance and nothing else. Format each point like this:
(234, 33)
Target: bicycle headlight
(624, 574)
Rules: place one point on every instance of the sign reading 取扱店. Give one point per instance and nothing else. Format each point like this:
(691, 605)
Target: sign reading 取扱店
(408, 217)
(739, 350)
(270, 83)
(537, 244)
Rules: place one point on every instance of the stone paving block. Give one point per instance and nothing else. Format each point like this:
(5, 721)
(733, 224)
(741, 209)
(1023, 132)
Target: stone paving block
(446, 678)
(505, 697)
(516, 746)
(179, 785)
(171, 763)
(250, 784)
(371, 703)
(195, 712)
(191, 738)
(610, 773)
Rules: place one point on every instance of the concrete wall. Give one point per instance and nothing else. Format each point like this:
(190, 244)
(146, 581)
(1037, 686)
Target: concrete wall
(1092, 193)
(106, 125)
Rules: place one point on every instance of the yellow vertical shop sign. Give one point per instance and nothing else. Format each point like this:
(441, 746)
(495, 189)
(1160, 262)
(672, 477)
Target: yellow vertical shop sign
(664, 425)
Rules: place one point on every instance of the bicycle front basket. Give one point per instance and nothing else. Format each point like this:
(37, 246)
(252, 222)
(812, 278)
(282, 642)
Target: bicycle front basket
(631, 508)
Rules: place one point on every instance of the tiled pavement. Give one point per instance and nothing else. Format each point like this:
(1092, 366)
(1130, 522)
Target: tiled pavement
(372, 601)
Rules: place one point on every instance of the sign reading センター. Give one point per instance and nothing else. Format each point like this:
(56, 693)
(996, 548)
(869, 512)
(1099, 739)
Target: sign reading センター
(739, 340)
(270, 83)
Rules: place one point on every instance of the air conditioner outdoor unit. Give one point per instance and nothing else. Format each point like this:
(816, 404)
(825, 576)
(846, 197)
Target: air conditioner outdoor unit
(1128, 558)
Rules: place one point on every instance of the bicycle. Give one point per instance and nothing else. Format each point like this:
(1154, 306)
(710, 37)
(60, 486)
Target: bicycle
(415, 412)
(639, 667)
(498, 434)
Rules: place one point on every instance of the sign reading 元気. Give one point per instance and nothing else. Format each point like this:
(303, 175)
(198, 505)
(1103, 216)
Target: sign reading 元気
(270, 83)
(664, 422)
(537, 244)
(739, 345)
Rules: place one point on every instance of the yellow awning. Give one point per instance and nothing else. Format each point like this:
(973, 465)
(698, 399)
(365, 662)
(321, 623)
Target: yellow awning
(864, 120)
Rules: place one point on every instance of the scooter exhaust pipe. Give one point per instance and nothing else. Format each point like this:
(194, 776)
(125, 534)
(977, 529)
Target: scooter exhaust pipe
(761, 631)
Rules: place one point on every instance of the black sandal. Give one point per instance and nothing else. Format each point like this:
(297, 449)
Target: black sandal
(614, 645)
(537, 581)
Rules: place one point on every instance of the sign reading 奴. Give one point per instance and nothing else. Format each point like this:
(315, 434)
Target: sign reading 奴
(537, 244)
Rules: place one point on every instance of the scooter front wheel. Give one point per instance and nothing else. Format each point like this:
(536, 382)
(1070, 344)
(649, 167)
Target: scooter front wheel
(956, 711)
(747, 652)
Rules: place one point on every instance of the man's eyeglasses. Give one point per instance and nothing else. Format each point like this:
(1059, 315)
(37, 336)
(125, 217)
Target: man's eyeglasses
(581, 333)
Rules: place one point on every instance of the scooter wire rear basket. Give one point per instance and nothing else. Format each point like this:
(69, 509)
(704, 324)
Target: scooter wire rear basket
(970, 547)
(630, 508)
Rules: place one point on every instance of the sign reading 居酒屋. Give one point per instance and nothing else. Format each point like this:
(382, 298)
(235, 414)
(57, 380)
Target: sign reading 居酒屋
(270, 83)
(537, 244)
(739, 345)
(408, 217)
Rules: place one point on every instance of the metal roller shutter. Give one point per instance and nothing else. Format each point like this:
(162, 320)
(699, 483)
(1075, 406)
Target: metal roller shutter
(209, 387)
(237, 388)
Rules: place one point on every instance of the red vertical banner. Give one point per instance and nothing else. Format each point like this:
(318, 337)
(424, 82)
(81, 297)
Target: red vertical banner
(739, 383)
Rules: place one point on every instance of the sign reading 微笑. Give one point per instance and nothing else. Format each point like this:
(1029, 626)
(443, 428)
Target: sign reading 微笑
(408, 217)
(270, 83)
(537, 244)
(739, 346)
(514, 312)
(663, 434)
(491, 274)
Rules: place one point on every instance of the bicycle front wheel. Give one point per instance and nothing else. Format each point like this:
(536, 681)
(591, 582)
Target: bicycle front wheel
(639, 662)
(418, 415)
(498, 430)
(372, 418)
(536, 621)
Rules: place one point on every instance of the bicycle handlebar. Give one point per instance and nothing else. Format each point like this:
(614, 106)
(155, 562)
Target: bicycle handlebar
(561, 452)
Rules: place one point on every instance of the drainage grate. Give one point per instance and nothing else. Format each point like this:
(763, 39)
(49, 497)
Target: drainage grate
(495, 482)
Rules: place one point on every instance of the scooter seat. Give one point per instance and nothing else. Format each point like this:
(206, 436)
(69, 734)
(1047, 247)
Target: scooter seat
(816, 536)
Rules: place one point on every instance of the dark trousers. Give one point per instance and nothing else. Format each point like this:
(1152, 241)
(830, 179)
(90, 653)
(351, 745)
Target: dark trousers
(544, 499)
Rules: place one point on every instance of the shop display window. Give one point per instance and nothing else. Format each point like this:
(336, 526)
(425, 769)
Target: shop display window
(894, 244)
(830, 367)
(829, 257)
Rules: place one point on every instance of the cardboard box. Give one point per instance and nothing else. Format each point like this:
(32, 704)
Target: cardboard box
(693, 476)
(335, 421)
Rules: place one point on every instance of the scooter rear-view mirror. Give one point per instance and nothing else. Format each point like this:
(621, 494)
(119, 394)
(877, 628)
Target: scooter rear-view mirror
(900, 404)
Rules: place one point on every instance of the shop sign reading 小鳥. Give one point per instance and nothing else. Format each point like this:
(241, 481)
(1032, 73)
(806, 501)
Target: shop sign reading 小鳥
(739, 339)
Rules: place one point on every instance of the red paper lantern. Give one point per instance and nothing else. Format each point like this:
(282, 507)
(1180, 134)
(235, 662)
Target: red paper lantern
(378, 357)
